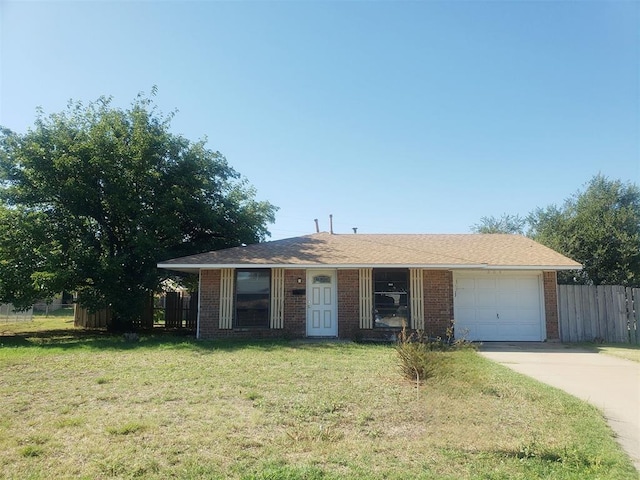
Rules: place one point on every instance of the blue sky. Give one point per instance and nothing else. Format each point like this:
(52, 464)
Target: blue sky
(395, 117)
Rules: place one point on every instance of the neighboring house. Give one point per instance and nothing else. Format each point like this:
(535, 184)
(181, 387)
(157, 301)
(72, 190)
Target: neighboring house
(492, 287)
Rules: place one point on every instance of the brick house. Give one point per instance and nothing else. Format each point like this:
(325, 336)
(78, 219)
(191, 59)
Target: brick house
(490, 287)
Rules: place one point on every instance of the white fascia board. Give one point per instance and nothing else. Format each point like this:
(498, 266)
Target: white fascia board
(181, 268)
(533, 267)
(289, 266)
(403, 265)
(195, 268)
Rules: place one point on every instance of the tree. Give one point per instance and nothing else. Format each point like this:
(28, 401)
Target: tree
(600, 228)
(24, 248)
(93, 197)
(505, 224)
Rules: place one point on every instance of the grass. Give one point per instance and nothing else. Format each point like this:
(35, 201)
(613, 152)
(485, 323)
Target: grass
(57, 322)
(630, 352)
(94, 406)
(620, 350)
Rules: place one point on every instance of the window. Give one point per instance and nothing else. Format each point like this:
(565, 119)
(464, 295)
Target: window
(253, 288)
(391, 298)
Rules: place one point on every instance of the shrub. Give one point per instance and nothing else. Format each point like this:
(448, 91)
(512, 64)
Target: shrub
(420, 355)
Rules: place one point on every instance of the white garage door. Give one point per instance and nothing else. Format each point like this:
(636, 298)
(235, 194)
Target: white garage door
(499, 306)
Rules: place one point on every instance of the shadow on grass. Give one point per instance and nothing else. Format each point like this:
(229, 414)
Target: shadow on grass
(76, 339)
(567, 456)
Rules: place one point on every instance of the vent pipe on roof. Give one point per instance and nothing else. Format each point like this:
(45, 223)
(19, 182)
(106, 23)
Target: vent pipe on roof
(331, 224)
(317, 227)
(355, 229)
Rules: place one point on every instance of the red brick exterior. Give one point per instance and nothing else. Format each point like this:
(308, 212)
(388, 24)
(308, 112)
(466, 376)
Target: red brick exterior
(295, 306)
(550, 286)
(438, 307)
(209, 303)
(438, 301)
(348, 303)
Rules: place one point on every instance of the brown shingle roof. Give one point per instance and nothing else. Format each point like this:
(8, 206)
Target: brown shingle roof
(444, 251)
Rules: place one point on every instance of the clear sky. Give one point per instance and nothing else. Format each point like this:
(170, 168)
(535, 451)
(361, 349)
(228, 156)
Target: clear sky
(394, 116)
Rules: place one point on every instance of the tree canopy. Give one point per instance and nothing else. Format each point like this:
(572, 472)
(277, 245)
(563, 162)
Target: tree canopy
(598, 227)
(504, 224)
(92, 198)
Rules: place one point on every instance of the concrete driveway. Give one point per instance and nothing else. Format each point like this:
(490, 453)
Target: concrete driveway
(611, 384)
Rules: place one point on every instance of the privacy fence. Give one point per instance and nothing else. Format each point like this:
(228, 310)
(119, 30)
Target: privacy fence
(603, 313)
(172, 310)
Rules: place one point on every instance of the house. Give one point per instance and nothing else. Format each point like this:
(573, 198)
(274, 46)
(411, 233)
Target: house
(492, 287)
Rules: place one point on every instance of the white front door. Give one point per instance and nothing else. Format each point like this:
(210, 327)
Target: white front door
(322, 315)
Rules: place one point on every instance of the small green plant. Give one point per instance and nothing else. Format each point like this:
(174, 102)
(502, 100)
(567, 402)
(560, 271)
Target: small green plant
(528, 450)
(253, 396)
(70, 422)
(126, 429)
(31, 451)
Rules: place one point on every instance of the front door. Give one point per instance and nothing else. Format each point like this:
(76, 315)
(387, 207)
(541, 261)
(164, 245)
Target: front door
(322, 315)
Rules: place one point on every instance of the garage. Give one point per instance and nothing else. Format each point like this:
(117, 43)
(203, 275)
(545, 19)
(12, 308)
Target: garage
(498, 305)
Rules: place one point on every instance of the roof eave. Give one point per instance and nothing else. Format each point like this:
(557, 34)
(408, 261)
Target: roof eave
(194, 268)
(534, 267)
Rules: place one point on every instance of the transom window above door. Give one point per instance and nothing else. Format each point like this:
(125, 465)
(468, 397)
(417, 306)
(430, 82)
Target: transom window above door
(321, 279)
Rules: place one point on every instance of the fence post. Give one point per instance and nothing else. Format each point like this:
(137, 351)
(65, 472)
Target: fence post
(620, 314)
(562, 313)
(634, 303)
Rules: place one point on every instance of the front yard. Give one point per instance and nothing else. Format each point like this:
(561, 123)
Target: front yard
(100, 407)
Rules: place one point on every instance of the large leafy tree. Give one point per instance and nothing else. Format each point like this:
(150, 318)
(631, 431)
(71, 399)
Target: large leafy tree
(599, 227)
(93, 197)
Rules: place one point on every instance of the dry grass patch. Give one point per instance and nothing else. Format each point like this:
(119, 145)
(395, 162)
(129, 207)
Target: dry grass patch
(105, 408)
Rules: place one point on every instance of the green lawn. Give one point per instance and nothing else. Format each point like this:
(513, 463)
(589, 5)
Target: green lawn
(621, 350)
(630, 352)
(95, 406)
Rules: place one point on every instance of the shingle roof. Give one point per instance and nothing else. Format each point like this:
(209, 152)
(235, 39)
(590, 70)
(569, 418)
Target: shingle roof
(339, 250)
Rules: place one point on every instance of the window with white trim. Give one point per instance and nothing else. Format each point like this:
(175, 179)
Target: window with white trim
(391, 298)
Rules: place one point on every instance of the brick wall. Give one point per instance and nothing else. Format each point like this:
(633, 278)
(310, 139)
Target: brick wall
(295, 306)
(550, 285)
(295, 310)
(438, 306)
(348, 303)
(209, 303)
(438, 301)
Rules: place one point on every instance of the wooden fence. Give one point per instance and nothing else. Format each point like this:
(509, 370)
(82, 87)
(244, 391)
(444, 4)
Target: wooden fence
(173, 310)
(86, 319)
(603, 313)
(181, 310)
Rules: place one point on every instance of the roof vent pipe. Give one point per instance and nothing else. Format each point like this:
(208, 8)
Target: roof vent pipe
(317, 227)
(355, 229)
(331, 224)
